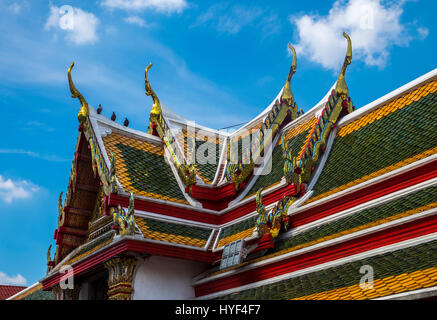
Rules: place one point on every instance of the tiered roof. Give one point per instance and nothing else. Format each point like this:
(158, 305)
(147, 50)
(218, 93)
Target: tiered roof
(347, 188)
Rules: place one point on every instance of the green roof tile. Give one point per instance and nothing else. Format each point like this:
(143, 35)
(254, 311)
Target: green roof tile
(395, 137)
(389, 264)
(149, 172)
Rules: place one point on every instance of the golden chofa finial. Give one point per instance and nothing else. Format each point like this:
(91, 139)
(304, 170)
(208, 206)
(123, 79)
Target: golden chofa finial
(156, 109)
(83, 112)
(287, 95)
(341, 87)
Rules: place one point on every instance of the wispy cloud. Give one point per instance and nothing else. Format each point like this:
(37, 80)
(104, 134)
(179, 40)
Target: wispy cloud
(231, 19)
(37, 126)
(166, 6)
(80, 26)
(11, 190)
(32, 154)
(135, 20)
(374, 26)
(15, 8)
(423, 33)
(17, 280)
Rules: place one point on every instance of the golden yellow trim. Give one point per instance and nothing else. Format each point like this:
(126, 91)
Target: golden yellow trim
(381, 287)
(241, 235)
(389, 108)
(28, 292)
(300, 128)
(375, 174)
(155, 235)
(110, 142)
(336, 235)
(87, 253)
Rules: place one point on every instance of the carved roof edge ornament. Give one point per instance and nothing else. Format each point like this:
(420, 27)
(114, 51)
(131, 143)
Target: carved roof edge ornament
(84, 110)
(287, 95)
(61, 212)
(341, 87)
(156, 108)
(112, 178)
(124, 222)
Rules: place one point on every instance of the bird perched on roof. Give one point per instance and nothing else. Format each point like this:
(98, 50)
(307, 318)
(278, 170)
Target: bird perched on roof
(113, 117)
(126, 122)
(99, 109)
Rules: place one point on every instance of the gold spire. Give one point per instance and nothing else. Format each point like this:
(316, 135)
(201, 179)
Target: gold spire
(287, 95)
(341, 87)
(49, 259)
(156, 109)
(83, 112)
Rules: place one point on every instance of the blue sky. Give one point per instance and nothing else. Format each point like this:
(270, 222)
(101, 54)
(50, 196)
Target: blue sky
(218, 63)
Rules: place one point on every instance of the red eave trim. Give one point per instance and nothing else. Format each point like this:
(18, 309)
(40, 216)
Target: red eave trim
(352, 199)
(353, 246)
(135, 246)
(213, 194)
(355, 198)
(193, 214)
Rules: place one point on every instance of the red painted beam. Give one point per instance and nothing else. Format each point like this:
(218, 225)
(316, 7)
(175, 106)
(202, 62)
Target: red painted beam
(213, 194)
(355, 198)
(191, 213)
(136, 246)
(361, 244)
(376, 190)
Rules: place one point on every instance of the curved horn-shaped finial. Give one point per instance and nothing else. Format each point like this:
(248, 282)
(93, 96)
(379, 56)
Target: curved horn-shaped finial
(156, 109)
(287, 95)
(341, 87)
(60, 206)
(83, 112)
(49, 259)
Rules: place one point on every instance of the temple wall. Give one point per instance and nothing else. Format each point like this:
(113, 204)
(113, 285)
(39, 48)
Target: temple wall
(165, 278)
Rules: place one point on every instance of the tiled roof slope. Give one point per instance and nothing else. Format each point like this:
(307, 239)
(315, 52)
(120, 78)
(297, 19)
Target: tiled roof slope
(210, 140)
(8, 291)
(40, 295)
(390, 137)
(398, 271)
(296, 136)
(240, 230)
(208, 170)
(91, 246)
(400, 207)
(142, 169)
(175, 233)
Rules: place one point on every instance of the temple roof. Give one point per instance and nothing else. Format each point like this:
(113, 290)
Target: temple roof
(338, 176)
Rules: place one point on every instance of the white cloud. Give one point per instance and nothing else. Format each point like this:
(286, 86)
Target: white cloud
(135, 20)
(18, 189)
(374, 27)
(423, 33)
(18, 280)
(80, 26)
(167, 6)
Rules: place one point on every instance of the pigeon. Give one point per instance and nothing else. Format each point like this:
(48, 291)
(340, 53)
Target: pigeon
(113, 117)
(99, 109)
(126, 122)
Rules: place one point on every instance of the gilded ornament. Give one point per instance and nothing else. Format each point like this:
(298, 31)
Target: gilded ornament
(125, 221)
(84, 110)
